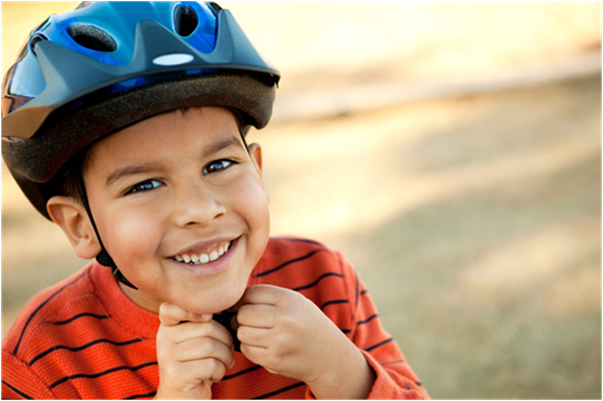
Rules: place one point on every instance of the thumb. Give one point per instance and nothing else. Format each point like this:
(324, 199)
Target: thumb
(172, 315)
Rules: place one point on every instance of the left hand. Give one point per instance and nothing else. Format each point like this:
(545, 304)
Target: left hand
(289, 335)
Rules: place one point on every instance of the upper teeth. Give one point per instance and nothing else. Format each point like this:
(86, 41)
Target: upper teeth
(202, 258)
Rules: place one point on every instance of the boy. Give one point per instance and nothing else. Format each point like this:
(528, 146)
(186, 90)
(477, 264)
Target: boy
(125, 124)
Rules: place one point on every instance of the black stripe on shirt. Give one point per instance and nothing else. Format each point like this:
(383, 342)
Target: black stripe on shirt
(147, 395)
(372, 347)
(242, 372)
(97, 375)
(21, 393)
(71, 319)
(39, 308)
(335, 301)
(305, 287)
(309, 255)
(80, 348)
(367, 319)
(291, 387)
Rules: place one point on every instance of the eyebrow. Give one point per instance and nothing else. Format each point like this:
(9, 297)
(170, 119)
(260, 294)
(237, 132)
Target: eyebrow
(130, 170)
(149, 167)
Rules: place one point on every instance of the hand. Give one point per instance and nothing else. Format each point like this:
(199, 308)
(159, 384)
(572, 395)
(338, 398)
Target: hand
(289, 335)
(193, 352)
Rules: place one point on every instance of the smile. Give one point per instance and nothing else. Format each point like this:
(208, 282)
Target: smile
(209, 255)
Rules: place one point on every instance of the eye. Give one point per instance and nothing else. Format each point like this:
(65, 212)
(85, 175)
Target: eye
(216, 166)
(145, 186)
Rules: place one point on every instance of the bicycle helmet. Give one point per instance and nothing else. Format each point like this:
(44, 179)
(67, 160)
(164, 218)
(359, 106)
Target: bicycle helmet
(90, 72)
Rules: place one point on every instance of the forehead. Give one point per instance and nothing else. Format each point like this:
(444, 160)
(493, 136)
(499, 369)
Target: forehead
(170, 133)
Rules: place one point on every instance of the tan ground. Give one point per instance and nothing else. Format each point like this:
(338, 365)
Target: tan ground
(475, 221)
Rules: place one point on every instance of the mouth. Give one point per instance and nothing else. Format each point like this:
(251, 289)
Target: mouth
(207, 255)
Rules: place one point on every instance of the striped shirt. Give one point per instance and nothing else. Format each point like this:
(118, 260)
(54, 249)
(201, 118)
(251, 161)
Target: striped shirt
(84, 338)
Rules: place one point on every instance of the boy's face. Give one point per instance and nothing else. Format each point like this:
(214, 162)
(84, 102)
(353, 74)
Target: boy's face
(172, 191)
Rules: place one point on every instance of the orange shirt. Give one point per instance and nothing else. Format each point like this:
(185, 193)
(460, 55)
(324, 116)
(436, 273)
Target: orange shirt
(84, 338)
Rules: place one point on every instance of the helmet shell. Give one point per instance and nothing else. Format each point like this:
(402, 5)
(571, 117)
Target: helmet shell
(106, 65)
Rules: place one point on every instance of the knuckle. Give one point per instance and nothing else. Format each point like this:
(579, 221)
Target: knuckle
(218, 369)
(289, 323)
(284, 337)
(168, 308)
(207, 345)
(212, 364)
(170, 371)
(163, 308)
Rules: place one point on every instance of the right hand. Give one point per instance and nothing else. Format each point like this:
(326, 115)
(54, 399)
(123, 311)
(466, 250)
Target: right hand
(193, 352)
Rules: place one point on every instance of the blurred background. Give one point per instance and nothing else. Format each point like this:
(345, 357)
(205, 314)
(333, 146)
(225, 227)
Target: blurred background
(451, 150)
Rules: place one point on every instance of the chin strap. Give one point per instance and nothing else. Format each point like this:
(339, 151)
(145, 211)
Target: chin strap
(103, 257)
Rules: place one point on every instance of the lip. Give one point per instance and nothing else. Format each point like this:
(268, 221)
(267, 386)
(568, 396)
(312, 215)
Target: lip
(209, 268)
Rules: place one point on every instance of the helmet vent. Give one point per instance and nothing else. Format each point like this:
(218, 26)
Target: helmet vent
(92, 38)
(185, 20)
(215, 8)
(34, 41)
(84, 4)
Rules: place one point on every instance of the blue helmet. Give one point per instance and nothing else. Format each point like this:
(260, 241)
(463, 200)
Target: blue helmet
(85, 74)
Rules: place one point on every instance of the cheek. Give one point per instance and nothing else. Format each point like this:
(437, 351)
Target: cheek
(255, 211)
(256, 245)
(134, 236)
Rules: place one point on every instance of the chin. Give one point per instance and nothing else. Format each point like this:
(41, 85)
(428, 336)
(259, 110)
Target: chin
(215, 301)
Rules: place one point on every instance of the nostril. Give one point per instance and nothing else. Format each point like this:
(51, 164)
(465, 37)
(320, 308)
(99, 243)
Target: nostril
(92, 38)
(185, 20)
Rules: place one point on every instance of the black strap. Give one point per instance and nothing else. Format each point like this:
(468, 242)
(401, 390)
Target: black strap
(225, 318)
(103, 257)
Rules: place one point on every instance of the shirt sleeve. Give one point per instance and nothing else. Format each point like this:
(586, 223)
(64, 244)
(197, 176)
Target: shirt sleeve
(394, 377)
(19, 382)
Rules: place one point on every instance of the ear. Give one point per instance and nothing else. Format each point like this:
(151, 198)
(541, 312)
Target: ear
(71, 216)
(255, 151)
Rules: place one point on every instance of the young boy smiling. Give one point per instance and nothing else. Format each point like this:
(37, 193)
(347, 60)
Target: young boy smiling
(157, 182)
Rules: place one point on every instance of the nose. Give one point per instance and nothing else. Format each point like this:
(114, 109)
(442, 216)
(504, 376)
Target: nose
(197, 205)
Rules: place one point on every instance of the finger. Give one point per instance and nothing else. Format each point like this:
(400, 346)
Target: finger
(257, 315)
(262, 294)
(257, 355)
(203, 348)
(190, 331)
(172, 315)
(257, 337)
(199, 370)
